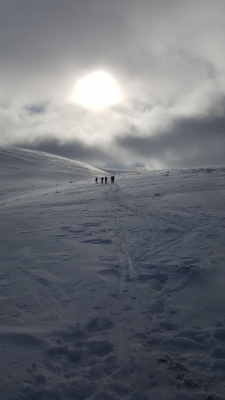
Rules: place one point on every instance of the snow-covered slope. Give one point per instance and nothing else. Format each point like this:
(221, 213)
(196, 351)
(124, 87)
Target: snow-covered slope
(115, 291)
(20, 169)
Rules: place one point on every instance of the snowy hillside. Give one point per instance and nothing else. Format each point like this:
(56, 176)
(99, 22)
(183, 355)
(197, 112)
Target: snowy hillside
(112, 291)
(22, 169)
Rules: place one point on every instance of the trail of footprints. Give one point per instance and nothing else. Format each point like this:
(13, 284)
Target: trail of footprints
(83, 364)
(80, 364)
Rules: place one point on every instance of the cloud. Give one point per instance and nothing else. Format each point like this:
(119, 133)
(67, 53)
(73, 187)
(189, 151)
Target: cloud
(188, 142)
(71, 149)
(167, 57)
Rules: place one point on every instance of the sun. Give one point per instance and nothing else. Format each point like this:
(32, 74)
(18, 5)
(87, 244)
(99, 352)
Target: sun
(96, 91)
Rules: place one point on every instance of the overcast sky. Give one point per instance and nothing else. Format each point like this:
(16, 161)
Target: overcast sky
(167, 56)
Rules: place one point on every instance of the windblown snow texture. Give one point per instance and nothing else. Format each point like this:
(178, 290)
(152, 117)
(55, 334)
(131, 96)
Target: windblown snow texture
(112, 291)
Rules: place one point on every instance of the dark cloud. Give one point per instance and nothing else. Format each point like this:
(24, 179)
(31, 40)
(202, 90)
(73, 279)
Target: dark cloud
(188, 142)
(74, 149)
(36, 108)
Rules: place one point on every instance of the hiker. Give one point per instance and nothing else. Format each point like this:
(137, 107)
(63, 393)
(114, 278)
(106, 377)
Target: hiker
(102, 179)
(106, 179)
(96, 179)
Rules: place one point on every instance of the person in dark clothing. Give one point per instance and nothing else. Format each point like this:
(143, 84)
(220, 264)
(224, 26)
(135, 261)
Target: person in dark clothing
(112, 179)
(106, 179)
(96, 180)
(102, 179)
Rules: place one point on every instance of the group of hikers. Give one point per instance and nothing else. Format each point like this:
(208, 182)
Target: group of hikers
(102, 179)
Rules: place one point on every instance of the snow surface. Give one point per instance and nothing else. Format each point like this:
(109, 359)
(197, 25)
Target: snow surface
(110, 291)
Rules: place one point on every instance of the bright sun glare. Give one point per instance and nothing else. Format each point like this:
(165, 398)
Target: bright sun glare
(96, 91)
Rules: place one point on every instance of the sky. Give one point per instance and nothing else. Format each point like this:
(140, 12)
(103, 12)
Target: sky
(167, 57)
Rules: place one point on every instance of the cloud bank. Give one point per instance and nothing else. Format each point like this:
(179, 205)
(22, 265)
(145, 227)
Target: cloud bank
(167, 57)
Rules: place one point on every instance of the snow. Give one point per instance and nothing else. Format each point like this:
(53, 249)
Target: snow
(110, 291)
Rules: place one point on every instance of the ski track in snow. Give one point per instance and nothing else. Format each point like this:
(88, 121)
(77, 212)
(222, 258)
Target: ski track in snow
(114, 291)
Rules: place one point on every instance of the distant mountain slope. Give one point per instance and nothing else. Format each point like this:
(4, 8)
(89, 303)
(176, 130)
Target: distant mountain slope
(28, 167)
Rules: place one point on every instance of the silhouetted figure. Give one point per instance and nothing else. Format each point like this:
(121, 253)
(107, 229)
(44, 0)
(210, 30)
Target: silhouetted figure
(112, 179)
(96, 180)
(102, 179)
(106, 179)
